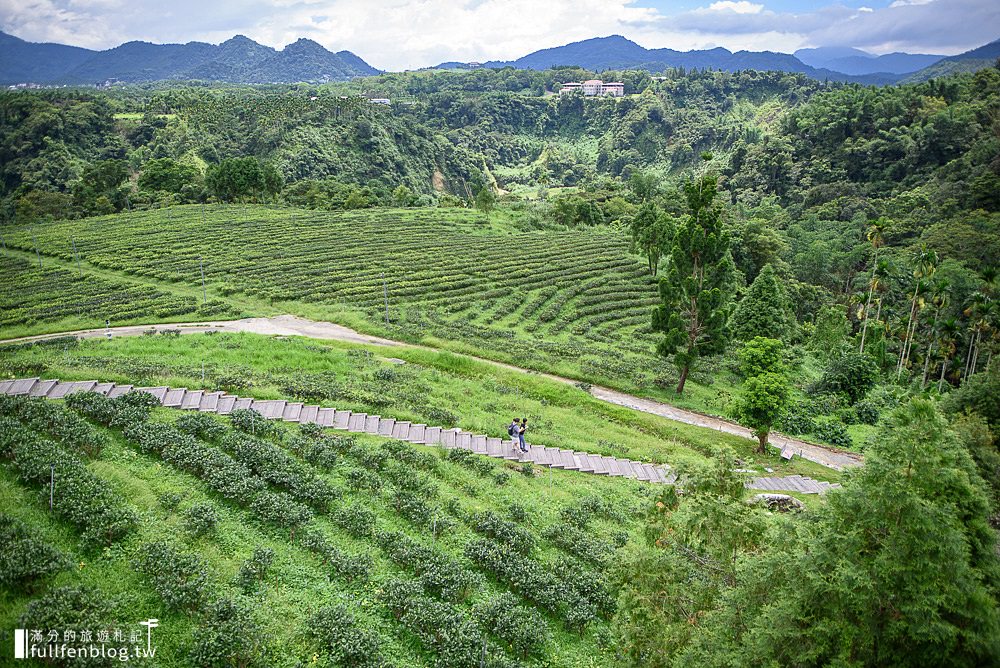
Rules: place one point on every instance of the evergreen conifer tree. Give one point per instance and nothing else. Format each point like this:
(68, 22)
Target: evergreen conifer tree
(694, 290)
(764, 310)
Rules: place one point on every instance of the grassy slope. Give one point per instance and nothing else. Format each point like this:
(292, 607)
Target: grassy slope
(481, 396)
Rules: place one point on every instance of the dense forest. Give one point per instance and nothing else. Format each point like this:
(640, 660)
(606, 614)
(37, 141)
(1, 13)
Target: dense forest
(832, 249)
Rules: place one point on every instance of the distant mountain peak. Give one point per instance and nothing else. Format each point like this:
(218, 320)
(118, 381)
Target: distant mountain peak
(239, 60)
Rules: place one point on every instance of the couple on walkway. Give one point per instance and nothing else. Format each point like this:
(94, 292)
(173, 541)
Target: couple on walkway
(516, 430)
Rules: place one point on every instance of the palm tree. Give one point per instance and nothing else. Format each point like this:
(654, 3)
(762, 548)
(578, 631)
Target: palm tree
(948, 332)
(982, 313)
(876, 237)
(939, 297)
(924, 265)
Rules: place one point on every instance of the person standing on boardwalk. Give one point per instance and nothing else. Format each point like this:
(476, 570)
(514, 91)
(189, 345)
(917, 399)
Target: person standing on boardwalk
(514, 429)
(520, 434)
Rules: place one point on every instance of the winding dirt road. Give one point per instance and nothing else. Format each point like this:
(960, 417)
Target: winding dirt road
(289, 325)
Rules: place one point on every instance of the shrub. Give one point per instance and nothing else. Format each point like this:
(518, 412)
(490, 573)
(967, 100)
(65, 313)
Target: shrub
(797, 419)
(251, 422)
(80, 497)
(310, 430)
(279, 509)
(866, 412)
(201, 519)
(579, 543)
(851, 374)
(342, 639)
(69, 608)
(348, 566)
(438, 573)
(228, 636)
(833, 432)
(179, 578)
(522, 629)
(254, 570)
(63, 425)
(527, 469)
(517, 513)
(356, 520)
(24, 557)
(362, 479)
(504, 531)
(201, 425)
(170, 500)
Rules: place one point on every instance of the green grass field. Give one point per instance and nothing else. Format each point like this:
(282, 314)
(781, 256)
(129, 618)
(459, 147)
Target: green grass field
(435, 388)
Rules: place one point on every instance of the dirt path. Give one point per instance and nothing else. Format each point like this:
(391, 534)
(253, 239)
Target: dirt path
(290, 325)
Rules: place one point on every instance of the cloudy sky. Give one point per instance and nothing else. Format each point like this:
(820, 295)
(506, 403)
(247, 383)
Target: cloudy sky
(405, 34)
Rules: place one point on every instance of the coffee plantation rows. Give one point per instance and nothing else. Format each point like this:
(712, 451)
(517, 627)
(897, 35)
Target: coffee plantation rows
(426, 557)
(531, 297)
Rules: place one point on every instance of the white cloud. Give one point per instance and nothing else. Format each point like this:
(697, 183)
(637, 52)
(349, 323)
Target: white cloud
(739, 7)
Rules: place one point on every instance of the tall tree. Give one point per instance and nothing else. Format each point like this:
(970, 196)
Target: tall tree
(694, 292)
(876, 237)
(765, 393)
(765, 310)
(897, 568)
(924, 265)
(652, 234)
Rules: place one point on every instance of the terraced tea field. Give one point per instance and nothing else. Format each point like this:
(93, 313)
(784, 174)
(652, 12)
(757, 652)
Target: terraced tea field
(288, 547)
(555, 300)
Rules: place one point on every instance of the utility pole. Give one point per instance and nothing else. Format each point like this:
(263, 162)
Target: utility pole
(204, 294)
(385, 294)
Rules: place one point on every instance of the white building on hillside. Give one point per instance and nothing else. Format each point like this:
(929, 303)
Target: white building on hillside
(594, 87)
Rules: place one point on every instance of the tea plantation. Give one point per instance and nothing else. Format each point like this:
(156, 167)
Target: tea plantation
(556, 300)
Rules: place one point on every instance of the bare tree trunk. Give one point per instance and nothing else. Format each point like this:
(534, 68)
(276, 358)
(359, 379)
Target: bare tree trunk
(762, 442)
(684, 377)
(944, 367)
(871, 289)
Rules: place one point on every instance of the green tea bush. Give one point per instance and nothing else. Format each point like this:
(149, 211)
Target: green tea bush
(522, 629)
(64, 426)
(179, 578)
(444, 629)
(229, 636)
(438, 573)
(201, 425)
(360, 479)
(70, 608)
(279, 509)
(25, 558)
(201, 519)
(80, 497)
(342, 639)
(356, 520)
(579, 543)
(170, 500)
(348, 566)
(504, 531)
(254, 570)
(251, 422)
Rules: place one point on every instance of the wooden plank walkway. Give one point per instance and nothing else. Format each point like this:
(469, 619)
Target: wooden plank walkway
(222, 403)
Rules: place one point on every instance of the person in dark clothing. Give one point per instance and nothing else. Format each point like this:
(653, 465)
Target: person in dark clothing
(520, 434)
(514, 430)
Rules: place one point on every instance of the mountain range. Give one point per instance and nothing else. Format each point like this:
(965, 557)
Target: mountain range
(832, 63)
(237, 60)
(242, 60)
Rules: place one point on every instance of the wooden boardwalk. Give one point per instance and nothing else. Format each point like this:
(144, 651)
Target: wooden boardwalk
(290, 411)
